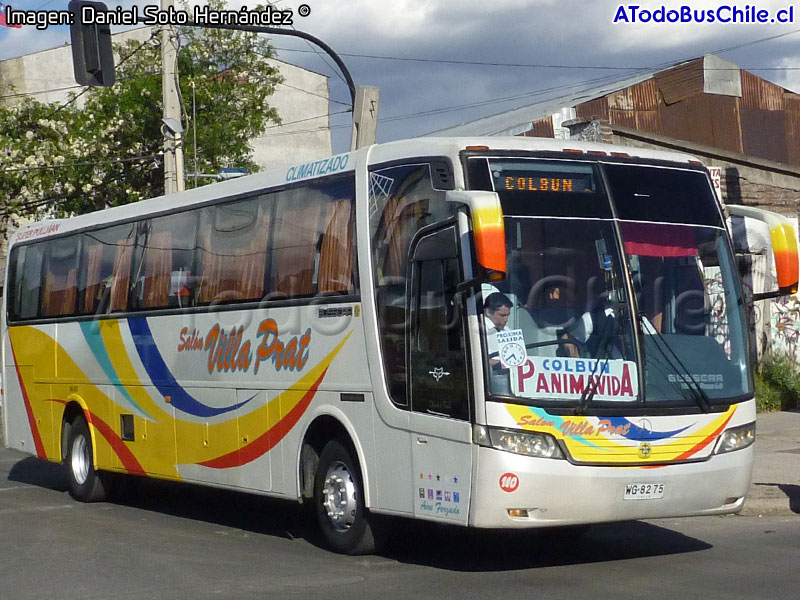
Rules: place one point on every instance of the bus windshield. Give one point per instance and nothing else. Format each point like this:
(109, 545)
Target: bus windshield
(620, 287)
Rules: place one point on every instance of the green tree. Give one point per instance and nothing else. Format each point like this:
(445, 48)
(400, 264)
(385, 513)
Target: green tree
(113, 146)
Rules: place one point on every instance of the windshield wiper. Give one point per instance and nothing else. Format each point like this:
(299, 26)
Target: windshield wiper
(696, 391)
(604, 354)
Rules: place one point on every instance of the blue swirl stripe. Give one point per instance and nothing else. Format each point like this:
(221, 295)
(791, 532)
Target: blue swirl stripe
(639, 434)
(162, 377)
(91, 333)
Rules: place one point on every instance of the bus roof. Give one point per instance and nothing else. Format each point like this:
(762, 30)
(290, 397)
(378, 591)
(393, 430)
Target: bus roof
(341, 163)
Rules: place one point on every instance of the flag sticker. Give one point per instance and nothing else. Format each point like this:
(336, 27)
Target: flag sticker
(3, 18)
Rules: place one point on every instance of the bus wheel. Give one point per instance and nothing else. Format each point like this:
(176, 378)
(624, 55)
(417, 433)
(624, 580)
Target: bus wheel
(84, 483)
(339, 502)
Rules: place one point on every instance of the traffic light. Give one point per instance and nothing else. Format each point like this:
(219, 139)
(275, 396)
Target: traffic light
(92, 57)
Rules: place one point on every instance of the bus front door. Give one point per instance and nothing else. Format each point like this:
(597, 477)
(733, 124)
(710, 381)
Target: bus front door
(439, 384)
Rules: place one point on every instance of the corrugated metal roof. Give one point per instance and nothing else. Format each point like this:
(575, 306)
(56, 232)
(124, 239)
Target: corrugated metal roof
(514, 122)
(726, 129)
(681, 82)
(763, 133)
(760, 94)
(626, 118)
(689, 120)
(542, 128)
(792, 103)
(645, 95)
(707, 100)
(649, 121)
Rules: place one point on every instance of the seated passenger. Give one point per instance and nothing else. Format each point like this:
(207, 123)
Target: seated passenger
(562, 329)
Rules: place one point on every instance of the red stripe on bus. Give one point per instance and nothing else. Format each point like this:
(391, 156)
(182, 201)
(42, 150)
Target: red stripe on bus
(129, 461)
(37, 438)
(697, 447)
(126, 457)
(270, 438)
(706, 441)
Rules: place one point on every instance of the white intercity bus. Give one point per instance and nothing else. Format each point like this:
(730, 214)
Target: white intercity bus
(494, 333)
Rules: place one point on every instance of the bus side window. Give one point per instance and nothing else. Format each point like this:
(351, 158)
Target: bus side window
(313, 243)
(233, 251)
(105, 270)
(164, 271)
(60, 287)
(26, 276)
(337, 250)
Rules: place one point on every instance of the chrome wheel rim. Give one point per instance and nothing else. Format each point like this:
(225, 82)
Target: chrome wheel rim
(339, 497)
(79, 460)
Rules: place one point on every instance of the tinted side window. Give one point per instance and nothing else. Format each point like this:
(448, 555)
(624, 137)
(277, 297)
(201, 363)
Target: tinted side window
(233, 251)
(402, 200)
(60, 287)
(439, 383)
(313, 240)
(337, 249)
(26, 280)
(105, 270)
(164, 261)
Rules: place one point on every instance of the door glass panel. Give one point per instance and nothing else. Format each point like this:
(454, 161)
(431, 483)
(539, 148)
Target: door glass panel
(437, 350)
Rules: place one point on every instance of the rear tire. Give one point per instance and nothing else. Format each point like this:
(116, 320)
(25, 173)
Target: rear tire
(84, 483)
(339, 502)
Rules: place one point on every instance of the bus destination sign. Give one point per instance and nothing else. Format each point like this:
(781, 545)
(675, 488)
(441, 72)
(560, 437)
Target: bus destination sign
(532, 177)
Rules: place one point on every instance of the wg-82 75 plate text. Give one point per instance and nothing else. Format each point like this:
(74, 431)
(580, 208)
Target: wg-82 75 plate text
(644, 491)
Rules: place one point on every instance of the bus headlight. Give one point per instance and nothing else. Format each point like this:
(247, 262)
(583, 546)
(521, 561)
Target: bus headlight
(737, 438)
(529, 443)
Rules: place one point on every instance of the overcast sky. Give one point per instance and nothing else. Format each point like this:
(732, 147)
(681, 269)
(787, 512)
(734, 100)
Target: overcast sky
(563, 45)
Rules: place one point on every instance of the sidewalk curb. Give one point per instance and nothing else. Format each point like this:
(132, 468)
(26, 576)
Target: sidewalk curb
(767, 507)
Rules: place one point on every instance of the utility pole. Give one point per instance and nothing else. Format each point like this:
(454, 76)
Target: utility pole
(97, 43)
(365, 116)
(172, 129)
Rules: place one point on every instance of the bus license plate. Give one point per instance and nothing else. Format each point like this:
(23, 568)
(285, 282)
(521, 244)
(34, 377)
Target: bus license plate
(644, 491)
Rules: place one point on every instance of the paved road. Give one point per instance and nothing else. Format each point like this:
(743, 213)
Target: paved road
(168, 541)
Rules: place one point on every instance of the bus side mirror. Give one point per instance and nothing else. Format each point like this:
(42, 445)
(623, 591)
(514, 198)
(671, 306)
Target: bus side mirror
(488, 229)
(782, 246)
(92, 56)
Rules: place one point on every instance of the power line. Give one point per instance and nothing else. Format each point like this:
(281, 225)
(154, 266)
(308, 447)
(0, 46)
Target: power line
(309, 92)
(557, 66)
(341, 112)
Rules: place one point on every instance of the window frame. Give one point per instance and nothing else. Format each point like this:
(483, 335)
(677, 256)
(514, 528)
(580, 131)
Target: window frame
(348, 178)
(401, 400)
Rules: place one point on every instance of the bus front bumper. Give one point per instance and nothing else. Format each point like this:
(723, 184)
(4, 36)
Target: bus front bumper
(515, 491)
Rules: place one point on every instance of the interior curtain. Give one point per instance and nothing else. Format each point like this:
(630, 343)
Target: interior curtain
(94, 261)
(239, 272)
(121, 275)
(297, 247)
(157, 269)
(60, 289)
(335, 255)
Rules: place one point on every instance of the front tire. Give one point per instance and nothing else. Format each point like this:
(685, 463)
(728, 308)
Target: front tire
(339, 502)
(84, 483)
